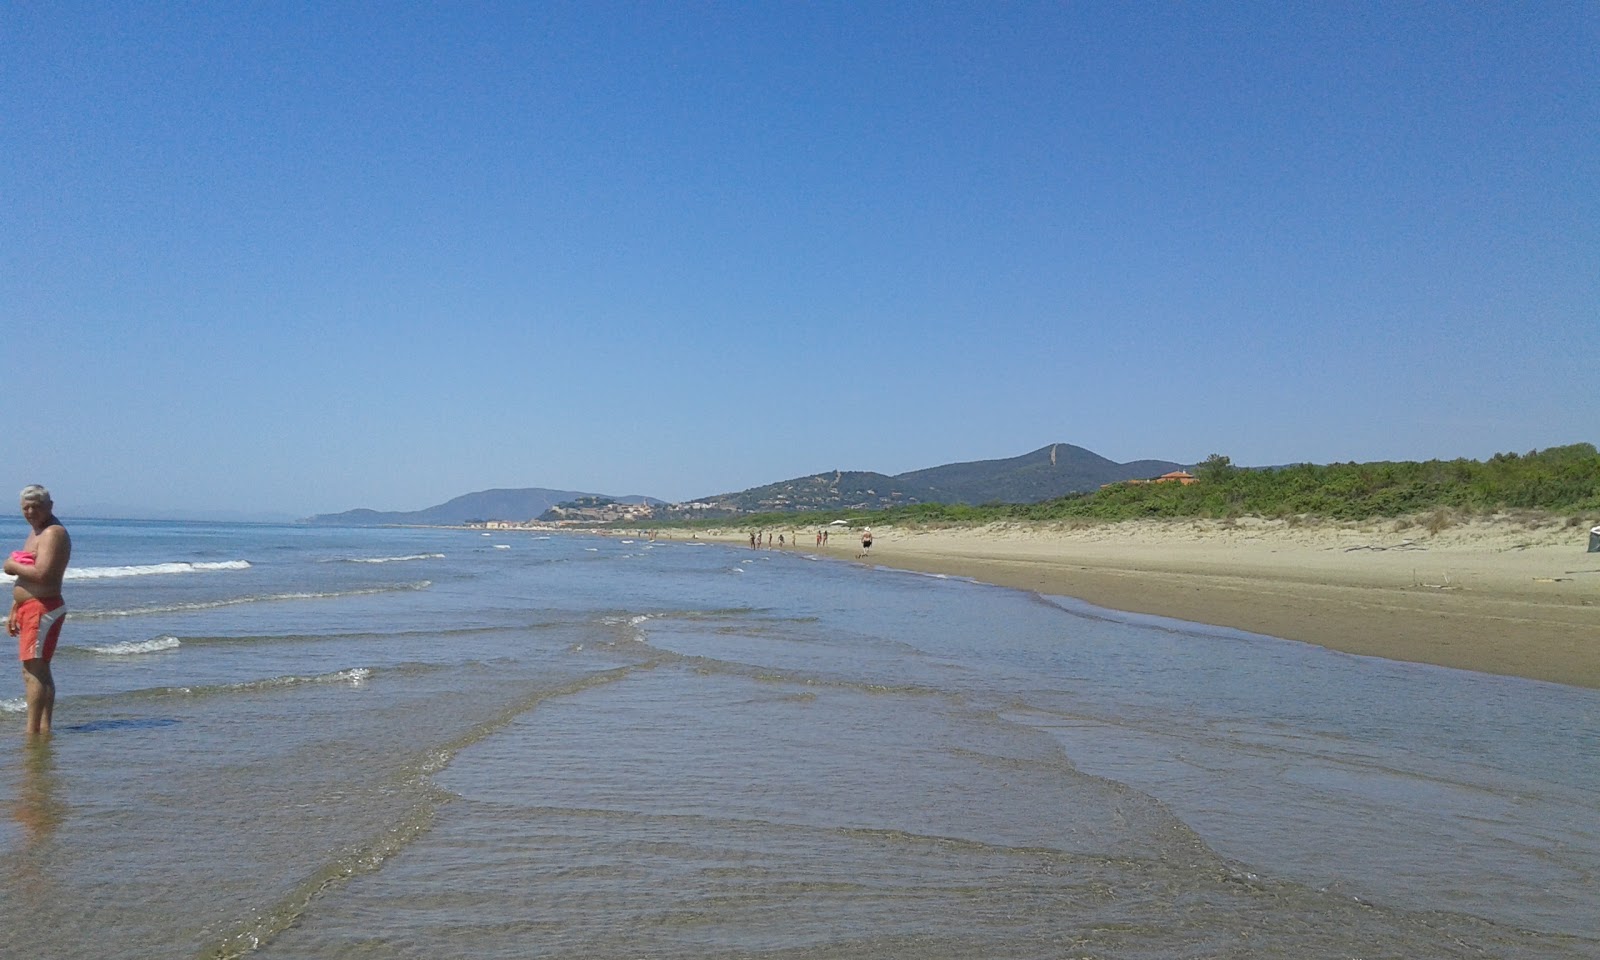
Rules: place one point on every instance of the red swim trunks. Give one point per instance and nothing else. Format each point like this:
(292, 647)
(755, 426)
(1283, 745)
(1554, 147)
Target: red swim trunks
(39, 627)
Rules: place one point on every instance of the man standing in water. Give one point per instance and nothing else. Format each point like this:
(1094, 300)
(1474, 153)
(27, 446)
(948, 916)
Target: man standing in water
(36, 605)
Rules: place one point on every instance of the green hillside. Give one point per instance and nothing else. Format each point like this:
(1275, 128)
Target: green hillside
(838, 490)
(1557, 480)
(1053, 471)
(1048, 472)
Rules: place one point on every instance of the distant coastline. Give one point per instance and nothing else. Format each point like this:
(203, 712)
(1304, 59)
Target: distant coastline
(1061, 482)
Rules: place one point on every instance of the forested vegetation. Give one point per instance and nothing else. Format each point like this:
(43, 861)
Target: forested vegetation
(1557, 480)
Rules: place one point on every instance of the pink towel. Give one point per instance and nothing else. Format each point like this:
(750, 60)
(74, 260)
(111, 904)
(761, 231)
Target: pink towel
(24, 557)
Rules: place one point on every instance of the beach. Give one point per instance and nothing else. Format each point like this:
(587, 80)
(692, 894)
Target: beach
(1511, 596)
(316, 742)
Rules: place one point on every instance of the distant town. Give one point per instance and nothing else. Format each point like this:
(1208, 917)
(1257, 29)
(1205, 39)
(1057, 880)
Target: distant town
(586, 511)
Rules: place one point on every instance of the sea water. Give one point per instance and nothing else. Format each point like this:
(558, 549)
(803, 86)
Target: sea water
(318, 742)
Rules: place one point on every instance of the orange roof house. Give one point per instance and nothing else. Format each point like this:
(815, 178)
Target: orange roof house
(1176, 476)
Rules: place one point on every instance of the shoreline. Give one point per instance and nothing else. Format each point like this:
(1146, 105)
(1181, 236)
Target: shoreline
(1517, 597)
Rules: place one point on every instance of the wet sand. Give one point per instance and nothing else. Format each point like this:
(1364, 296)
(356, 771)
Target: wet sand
(1505, 596)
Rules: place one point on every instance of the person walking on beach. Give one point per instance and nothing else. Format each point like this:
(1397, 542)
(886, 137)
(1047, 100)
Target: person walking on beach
(37, 609)
(866, 540)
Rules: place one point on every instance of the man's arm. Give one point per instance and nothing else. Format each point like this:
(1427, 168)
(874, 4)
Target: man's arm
(51, 552)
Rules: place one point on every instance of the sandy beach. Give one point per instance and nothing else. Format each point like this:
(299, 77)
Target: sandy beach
(1519, 597)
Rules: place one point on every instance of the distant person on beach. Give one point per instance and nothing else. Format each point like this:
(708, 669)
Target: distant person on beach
(37, 609)
(866, 540)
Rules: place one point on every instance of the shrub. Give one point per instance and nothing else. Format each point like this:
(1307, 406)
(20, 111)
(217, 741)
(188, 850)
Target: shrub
(1439, 520)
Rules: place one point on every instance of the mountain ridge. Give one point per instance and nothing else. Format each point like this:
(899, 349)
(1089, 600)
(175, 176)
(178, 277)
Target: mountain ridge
(1054, 470)
(1051, 471)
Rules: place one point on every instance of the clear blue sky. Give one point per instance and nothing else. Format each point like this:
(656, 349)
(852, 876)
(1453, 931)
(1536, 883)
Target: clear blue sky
(304, 258)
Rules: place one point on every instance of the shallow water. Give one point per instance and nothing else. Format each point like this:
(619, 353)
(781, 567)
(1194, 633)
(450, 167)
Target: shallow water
(306, 742)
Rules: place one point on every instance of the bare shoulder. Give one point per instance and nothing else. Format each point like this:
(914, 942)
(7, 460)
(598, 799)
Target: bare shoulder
(56, 536)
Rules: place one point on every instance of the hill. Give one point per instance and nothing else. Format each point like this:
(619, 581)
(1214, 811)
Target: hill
(1046, 473)
(837, 490)
(519, 504)
(1436, 493)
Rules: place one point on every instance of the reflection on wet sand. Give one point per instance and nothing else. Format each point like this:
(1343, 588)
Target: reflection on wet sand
(38, 808)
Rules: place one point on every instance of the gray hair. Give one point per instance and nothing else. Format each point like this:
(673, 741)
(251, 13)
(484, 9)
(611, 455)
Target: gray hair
(33, 493)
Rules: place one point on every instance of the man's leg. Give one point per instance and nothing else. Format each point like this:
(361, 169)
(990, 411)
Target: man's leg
(39, 689)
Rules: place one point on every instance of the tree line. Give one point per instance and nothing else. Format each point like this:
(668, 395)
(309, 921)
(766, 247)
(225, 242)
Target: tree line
(1554, 480)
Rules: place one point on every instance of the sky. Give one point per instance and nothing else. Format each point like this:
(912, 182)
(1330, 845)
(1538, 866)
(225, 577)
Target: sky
(286, 259)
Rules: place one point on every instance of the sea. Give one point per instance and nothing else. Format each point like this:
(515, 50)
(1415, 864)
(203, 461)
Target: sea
(317, 742)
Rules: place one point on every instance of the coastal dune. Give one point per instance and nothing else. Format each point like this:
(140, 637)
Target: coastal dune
(1504, 595)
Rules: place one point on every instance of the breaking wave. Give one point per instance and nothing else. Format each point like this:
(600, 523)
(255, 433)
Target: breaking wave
(151, 569)
(413, 556)
(134, 647)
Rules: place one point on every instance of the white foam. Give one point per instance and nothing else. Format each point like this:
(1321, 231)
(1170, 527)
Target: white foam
(16, 705)
(413, 556)
(134, 647)
(151, 569)
(632, 621)
(502, 546)
(355, 676)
